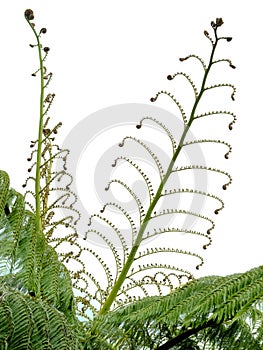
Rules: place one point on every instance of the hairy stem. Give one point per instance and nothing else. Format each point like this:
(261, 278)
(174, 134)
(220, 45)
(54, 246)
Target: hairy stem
(186, 334)
(106, 306)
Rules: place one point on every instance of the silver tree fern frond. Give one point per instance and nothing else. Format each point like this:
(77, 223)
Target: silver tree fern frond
(140, 266)
(210, 313)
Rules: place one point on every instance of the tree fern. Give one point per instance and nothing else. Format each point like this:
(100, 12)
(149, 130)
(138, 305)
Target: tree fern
(140, 296)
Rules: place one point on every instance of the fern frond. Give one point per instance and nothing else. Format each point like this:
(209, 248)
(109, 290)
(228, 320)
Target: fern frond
(44, 156)
(135, 267)
(215, 312)
(52, 192)
(4, 187)
(27, 323)
(36, 297)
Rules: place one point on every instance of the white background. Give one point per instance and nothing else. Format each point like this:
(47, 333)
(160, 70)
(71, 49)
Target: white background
(111, 52)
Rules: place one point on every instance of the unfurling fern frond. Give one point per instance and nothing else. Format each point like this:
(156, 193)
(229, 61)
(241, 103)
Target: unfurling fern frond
(48, 196)
(36, 287)
(52, 183)
(152, 255)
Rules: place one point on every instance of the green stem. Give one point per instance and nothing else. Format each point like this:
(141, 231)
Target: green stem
(107, 304)
(40, 133)
(46, 189)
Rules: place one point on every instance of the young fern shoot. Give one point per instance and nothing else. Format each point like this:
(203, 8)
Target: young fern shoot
(48, 197)
(131, 276)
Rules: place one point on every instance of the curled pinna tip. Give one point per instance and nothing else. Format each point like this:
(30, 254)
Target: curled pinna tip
(29, 14)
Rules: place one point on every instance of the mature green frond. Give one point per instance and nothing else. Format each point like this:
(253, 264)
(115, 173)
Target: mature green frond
(212, 312)
(4, 186)
(27, 262)
(27, 322)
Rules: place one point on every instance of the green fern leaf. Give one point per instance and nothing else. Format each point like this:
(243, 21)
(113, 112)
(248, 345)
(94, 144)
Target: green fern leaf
(218, 312)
